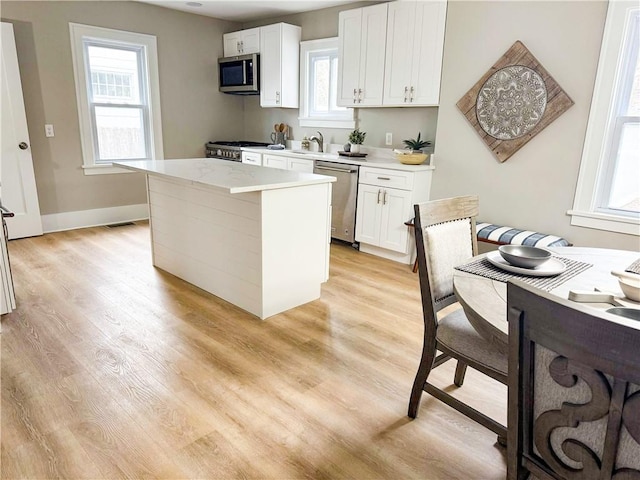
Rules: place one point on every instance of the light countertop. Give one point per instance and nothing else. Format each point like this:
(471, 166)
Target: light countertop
(233, 177)
(374, 159)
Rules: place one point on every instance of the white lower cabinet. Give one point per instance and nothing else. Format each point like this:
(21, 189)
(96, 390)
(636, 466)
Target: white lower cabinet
(288, 163)
(275, 161)
(381, 216)
(300, 165)
(252, 158)
(385, 202)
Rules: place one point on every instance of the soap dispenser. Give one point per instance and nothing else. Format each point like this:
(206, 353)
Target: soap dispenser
(305, 144)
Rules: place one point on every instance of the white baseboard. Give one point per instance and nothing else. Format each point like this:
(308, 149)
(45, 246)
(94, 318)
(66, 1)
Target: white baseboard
(57, 222)
(388, 254)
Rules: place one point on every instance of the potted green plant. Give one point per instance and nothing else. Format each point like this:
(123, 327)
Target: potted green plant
(416, 145)
(414, 155)
(356, 138)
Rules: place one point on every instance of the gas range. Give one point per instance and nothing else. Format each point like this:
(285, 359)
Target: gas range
(229, 150)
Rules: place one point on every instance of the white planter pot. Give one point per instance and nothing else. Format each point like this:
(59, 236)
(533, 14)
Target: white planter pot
(355, 148)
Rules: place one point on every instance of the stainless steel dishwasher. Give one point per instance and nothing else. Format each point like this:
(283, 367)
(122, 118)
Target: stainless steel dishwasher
(343, 198)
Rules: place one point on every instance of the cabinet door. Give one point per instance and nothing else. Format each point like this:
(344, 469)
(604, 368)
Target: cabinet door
(374, 32)
(231, 43)
(270, 64)
(427, 52)
(396, 209)
(399, 53)
(274, 161)
(252, 158)
(368, 214)
(349, 40)
(251, 40)
(301, 165)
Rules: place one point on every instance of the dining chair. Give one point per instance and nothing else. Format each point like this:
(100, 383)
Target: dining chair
(446, 237)
(574, 390)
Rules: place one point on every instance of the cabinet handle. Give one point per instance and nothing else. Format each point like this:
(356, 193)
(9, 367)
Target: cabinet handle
(355, 93)
(379, 192)
(411, 95)
(359, 95)
(384, 178)
(406, 90)
(384, 198)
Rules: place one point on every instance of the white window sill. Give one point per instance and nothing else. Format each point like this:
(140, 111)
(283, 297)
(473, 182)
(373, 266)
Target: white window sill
(601, 221)
(104, 169)
(327, 123)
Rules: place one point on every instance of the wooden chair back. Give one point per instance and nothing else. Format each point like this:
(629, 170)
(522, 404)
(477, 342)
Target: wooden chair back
(574, 390)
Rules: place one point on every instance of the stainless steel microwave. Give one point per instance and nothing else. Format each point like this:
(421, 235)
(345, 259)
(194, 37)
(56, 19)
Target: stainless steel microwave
(240, 75)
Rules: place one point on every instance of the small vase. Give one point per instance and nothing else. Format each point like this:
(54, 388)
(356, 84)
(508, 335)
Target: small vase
(355, 148)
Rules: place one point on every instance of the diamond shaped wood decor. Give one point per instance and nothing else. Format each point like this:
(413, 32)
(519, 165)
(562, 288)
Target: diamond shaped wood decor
(513, 102)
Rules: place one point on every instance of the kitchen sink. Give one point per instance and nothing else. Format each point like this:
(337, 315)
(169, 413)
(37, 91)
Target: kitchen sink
(314, 154)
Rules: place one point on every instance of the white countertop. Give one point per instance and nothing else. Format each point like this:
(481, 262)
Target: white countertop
(233, 177)
(371, 160)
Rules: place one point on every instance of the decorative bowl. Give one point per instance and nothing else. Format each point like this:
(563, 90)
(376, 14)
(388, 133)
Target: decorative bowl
(412, 158)
(524, 256)
(629, 284)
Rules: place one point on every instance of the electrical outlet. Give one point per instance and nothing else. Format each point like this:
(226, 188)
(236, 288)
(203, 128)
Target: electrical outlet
(388, 139)
(48, 130)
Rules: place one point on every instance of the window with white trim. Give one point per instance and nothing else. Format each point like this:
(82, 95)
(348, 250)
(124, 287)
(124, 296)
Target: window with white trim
(116, 76)
(319, 84)
(608, 191)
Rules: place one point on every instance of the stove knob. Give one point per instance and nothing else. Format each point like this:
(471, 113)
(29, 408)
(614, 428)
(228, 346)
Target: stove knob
(218, 152)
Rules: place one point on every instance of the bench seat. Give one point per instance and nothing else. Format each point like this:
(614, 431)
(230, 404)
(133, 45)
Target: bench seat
(503, 235)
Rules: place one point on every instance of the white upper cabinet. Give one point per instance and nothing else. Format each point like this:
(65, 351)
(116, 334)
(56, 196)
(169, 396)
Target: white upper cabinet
(279, 65)
(242, 42)
(414, 47)
(361, 51)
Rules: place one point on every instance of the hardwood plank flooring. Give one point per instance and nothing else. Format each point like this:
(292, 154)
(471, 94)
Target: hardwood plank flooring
(111, 368)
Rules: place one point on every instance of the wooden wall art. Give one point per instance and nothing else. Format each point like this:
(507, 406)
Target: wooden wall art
(513, 102)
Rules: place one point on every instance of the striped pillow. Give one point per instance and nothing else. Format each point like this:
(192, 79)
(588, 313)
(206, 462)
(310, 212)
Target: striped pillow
(509, 235)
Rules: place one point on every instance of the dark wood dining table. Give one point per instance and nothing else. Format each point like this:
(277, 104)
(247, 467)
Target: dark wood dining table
(484, 300)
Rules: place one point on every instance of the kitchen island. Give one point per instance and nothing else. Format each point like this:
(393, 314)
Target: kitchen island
(255, 237)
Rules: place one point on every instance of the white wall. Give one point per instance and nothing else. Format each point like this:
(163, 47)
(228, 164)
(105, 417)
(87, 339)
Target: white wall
(535, 187)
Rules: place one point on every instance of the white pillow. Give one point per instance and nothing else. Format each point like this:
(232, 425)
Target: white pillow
(447, 245)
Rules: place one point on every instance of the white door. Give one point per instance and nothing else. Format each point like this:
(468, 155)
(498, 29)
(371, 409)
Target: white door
(427, 52)
(368, 214)
(301, 165)
(231, 44)
(396, 210)
(251, 41)
(274, 161)
(349, 46)
(399, 53)
(17, 179)
(270, 65)
(374, 34)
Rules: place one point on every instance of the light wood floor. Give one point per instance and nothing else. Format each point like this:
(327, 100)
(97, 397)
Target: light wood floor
(114, 369)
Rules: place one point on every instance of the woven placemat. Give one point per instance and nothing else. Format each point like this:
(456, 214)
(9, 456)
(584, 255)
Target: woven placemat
(484, 268)
(634, 267)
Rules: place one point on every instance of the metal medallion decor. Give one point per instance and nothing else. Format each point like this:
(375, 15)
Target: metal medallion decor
(513, 102)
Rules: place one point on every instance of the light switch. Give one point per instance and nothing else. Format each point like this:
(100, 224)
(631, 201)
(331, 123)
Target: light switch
(389, 139)
(48, 130)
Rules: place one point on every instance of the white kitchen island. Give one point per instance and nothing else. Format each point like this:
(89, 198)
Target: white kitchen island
(255, 237)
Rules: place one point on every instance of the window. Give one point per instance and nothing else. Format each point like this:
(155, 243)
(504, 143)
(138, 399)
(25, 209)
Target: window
(318, 86)
(116, 78)
(608, 191)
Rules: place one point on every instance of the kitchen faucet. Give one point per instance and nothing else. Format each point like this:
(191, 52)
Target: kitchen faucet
(319, 141)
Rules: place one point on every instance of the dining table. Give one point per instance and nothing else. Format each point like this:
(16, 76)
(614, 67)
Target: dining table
(481, 286)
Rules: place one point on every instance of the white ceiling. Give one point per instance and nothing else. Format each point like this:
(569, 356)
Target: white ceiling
(242, 11)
